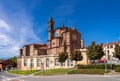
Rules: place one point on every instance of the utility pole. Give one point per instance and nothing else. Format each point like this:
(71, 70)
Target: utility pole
(105, 63)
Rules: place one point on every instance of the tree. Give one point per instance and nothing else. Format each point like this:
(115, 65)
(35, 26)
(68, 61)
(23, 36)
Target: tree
(14, 61)
(62, 58)
(76, 56)
(117, 52)
(95, 52)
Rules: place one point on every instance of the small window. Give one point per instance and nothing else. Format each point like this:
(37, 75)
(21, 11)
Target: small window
(25, 62)
(117, 45)
(108, 47)
(107, 51)
(111, 46)
(53, 43)
(32, 62)
(47, 62)
(38, 62)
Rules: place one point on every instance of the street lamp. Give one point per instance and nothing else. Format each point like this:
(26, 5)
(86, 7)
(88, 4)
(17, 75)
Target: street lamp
(110, 62)
(42, 66)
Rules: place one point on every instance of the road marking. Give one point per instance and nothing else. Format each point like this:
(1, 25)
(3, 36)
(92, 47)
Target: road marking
(115, 79)
(112, 77)
(4, 78)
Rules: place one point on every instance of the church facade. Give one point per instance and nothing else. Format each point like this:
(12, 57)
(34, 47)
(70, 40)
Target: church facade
(45, 56)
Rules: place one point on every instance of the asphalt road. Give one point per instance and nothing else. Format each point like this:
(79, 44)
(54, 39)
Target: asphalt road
(77, 77)
(9, 77)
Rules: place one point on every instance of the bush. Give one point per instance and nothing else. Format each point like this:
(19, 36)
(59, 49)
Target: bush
(117, 69)
(90, 66)
(115, 66)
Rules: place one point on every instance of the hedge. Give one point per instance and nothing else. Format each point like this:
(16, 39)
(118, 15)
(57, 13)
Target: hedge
(98, 66)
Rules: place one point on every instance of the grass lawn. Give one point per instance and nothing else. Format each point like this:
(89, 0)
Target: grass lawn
(22, 72)
(71, 71)
(87, 71)
(53, 72)
(59, 71)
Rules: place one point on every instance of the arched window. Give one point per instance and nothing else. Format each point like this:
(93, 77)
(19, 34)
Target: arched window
(47, 62)
(56, 62)
(63, 64)
(25, 62)
(38, 62)
(70, 63)
(32, 62)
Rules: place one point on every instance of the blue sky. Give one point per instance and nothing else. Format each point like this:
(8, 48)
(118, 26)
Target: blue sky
(25, 21)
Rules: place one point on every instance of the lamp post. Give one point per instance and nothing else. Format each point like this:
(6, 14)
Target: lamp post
(110, 62)
(42, 66)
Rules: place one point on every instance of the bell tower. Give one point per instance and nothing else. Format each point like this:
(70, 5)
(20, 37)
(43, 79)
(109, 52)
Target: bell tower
(50, 29)
(50, 34)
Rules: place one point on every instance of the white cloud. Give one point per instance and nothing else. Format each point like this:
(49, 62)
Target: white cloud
(16, 30)
(4, 40)
(4, 25)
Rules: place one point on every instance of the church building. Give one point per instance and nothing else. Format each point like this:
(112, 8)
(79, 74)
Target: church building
(45, 56)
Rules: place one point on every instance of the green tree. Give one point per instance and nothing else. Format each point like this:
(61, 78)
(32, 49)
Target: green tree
(14, 61)
(95, 51)
(117, 52)
(76, 56)
(62, 58)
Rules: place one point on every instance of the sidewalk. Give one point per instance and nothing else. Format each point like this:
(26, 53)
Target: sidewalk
(112, 73)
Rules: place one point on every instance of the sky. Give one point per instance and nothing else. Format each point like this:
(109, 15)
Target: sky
(26, 21)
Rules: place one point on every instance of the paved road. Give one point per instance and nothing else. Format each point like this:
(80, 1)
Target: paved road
(9, 77)
(74, 78)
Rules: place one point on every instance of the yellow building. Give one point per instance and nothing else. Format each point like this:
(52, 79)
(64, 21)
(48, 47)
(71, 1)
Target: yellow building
(109, 49)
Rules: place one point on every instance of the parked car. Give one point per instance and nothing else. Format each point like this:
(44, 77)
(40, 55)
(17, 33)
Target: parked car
(101, 61)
